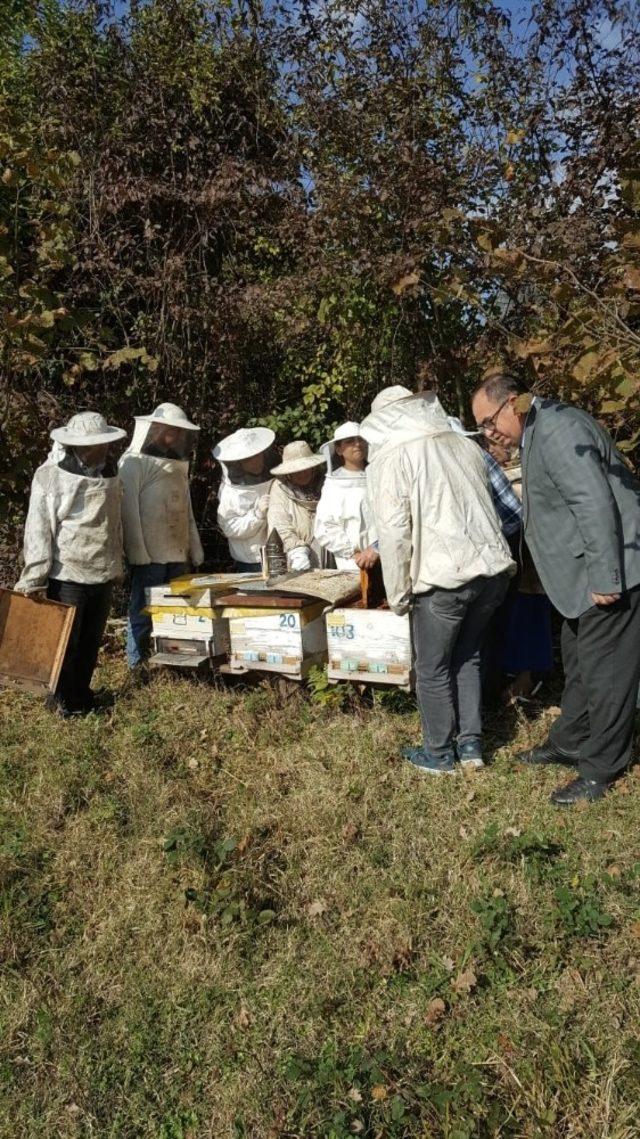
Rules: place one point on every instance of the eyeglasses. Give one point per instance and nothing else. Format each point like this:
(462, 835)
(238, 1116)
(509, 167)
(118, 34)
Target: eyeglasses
(489, 423)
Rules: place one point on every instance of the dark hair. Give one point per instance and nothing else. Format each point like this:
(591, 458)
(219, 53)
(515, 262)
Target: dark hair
(500, 386)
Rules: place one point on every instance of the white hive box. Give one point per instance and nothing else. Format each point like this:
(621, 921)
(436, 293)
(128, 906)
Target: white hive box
(285, 641)
(370, 646)
(186, 630)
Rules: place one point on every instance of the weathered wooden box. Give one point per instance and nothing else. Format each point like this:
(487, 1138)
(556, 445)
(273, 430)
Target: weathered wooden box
(370, 646)
(285, 641)
(33, 640)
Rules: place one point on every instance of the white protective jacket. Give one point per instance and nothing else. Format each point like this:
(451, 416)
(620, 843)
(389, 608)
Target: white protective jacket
(73, 530)
(157, 514)
(344, 520)
(242, 518)
(432, 505)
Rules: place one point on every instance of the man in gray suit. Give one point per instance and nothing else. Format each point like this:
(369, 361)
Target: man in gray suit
(581, 522)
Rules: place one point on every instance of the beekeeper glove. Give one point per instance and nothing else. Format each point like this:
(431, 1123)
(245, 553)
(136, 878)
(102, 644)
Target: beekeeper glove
(300, 558)
(262, 505)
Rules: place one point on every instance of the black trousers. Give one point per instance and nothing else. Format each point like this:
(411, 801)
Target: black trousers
(601, 660)
(92, 603)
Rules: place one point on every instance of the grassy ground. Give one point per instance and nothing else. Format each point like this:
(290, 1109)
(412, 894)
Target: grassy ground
(226, 914)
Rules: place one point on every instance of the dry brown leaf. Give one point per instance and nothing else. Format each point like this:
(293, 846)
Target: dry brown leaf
(634, 928)
(243, 1019)
(464, 982)
(350, 832)
(315, 909)
(244, 843)
(435, 1011)
(405, 282)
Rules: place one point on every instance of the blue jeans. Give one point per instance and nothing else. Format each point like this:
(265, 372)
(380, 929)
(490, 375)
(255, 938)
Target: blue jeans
(139, 625)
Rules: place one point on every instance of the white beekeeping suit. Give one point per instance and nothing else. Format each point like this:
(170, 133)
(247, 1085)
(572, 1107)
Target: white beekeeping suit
(157, 515)
(244, 497)
(73, 529)
(344, 520)
(432, 504)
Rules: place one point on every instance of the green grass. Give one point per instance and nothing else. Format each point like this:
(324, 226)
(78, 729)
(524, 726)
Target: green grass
(228, 914)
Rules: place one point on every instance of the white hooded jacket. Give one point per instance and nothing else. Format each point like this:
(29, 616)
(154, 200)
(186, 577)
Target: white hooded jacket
(431, 501)
(73, 530)
(344, 520)
(242, 518)
(157, 514)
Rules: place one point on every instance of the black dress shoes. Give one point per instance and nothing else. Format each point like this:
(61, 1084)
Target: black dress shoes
(579, 789)
(546, 753)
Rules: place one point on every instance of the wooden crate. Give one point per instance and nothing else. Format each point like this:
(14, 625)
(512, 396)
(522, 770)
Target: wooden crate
(33, 640)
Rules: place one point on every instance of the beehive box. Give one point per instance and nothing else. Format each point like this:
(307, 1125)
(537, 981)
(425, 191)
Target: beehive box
(370, 646)
(286, 641)
(186, 627)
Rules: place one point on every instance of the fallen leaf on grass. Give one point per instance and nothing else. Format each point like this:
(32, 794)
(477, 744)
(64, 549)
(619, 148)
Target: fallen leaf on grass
(351, 832)
(449, 964)
(244, 843)
(355, 1095)
(634, 928)
(357, 1126)
(315, 909)
(435, 1011)
(464, 982)
(243, 1019)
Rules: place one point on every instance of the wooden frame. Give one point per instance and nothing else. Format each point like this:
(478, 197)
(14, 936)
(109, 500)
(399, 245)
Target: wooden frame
(33, 640)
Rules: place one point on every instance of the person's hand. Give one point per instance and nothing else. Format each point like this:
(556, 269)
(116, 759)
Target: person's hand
(262, 504)
(39, 594)
(366, 559)
(605, 598)
(300, 559)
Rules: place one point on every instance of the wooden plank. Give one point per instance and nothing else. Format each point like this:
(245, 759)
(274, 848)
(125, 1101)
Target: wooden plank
(372, 587)
(33, 640)
(265, 601)
(402, 680)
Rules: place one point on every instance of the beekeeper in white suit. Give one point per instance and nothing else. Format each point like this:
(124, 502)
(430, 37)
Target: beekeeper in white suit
(344, 522)
(161, 539)
(444, 558)
(245, 458)
(73, 544)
